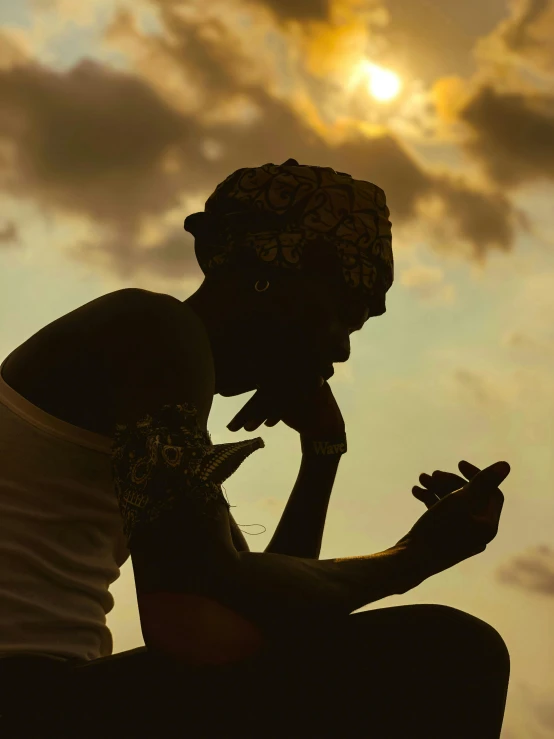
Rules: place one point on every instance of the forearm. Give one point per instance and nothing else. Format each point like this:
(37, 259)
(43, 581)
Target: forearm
(272, 590)
(300, 529)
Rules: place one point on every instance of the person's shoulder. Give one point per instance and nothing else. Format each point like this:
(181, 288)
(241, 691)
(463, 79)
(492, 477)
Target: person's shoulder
(132, 307)
(172, 317)
(159, 352)
(135, 298)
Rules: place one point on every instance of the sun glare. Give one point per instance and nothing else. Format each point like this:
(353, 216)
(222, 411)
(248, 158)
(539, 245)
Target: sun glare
(383, 84)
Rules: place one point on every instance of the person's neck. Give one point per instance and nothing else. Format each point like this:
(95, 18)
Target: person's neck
(204, 312)
(219, 306)
(229, 346)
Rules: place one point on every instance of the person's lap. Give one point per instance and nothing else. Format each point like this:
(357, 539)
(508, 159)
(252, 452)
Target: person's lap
(386, 672)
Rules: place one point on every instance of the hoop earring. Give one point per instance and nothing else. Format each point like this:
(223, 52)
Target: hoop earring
(263, 289)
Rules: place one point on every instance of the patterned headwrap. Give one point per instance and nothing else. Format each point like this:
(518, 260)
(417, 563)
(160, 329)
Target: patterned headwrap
(293, 216)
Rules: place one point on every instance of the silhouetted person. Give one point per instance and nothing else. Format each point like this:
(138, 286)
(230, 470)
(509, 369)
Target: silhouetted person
(117, 394)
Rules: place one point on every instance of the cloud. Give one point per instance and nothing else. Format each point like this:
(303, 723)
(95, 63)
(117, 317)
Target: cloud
(532, 711)
(543, 714)
(9, 234)
(171, 258)
(527, 33)
(119, 148)
(530, 327)
(518, 31)
(91, 140)
(511, 135)
(430, 40)
(301, 10)
(484, 218)
(14, 48)
(503, 116)
(428, 283)
(519, 393)
(532, 571)
(478, 389)
(523, 342)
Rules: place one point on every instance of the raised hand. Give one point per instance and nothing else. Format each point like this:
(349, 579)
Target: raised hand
(461, 523)
(312, 412)
(440, 483)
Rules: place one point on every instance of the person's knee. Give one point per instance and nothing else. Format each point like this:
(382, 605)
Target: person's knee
(470, 633)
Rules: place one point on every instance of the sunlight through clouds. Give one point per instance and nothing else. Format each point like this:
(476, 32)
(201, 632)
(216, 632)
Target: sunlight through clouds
(383, 84)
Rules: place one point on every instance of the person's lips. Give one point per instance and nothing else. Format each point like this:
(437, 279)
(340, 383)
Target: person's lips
(327, 372)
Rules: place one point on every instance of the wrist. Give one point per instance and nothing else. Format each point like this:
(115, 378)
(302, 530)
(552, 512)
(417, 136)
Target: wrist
(324, 444)
(416, 564)
(323, 462)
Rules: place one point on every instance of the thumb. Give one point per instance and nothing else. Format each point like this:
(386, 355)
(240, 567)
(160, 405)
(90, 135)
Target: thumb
(492, 475)
(488, 479)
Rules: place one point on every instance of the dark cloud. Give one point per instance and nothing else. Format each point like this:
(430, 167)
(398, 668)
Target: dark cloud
(517, 32)
(512, 135)
(485, 220)
(532, 571)
(90, 140)
(105, 144)
(393, 168)
(9, 234)
(421, 25)
(301, 10)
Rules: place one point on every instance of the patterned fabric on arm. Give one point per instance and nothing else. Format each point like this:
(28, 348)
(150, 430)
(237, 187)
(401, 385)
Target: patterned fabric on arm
(163, 457)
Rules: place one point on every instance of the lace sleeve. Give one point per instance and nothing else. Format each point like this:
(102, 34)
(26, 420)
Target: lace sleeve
(166, 458)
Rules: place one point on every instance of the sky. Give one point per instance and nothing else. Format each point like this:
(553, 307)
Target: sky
(118, 119)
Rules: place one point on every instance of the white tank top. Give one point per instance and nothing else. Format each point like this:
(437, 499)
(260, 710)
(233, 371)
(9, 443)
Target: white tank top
(61, 534)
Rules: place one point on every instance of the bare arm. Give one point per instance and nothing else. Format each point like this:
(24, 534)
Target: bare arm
(272, 589)
(300, 530)
(183, 552)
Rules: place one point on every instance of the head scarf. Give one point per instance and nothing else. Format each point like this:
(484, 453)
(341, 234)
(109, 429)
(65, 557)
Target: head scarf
(298, 217)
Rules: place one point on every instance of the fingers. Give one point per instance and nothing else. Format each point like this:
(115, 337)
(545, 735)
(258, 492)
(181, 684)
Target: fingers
(491, 476)
(425, 496)
(253, 413)
(240, 419)
(245, 420)
(467, 469)
(442, 483)
(439, 477)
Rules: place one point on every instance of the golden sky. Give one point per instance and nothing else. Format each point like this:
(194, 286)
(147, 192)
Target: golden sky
(117, 119)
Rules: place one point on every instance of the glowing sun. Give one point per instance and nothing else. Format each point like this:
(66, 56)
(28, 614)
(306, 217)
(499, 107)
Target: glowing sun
(383, 84)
